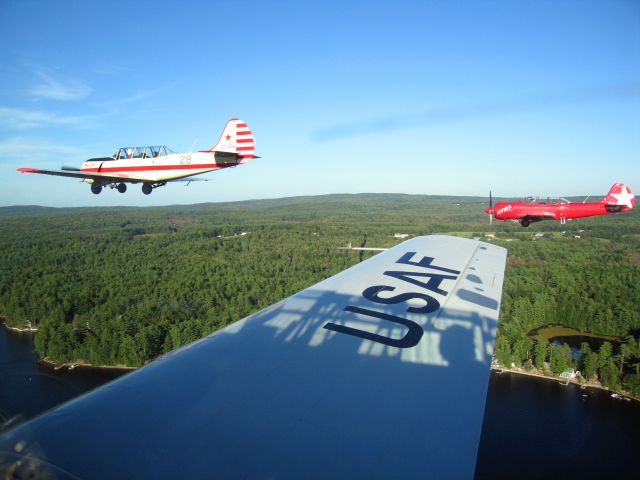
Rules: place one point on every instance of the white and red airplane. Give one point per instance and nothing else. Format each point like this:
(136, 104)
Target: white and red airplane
(154, 166)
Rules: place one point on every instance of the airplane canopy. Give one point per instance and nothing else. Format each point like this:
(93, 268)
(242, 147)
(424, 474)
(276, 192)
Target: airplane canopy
(142, 152)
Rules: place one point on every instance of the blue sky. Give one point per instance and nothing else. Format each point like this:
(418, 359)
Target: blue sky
(430, 97)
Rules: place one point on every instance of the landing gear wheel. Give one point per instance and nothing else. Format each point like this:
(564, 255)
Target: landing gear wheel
(122, 187)
(96, 188)
(146, 188)
(524, 222)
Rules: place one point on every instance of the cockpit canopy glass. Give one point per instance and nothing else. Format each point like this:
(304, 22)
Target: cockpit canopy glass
(166, 151)
(142, 152)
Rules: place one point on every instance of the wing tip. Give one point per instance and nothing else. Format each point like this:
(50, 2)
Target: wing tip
(27, 170)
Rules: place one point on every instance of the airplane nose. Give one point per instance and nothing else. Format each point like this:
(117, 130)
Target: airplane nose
(489, 210)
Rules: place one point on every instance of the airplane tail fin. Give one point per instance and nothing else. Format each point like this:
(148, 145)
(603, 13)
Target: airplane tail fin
(237, 140)
(620, 195)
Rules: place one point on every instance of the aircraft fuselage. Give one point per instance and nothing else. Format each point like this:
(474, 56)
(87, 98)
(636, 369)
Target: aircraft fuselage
(158, 169)
(619, 199)
(520, 210)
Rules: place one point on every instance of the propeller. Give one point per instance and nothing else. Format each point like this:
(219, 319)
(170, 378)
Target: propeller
(490, 209)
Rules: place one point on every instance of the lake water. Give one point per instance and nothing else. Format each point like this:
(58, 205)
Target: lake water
(533, 428)
(538, 428)
(28, 388)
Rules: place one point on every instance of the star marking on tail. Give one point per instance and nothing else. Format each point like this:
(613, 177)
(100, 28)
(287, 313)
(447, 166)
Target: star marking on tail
(625, 197)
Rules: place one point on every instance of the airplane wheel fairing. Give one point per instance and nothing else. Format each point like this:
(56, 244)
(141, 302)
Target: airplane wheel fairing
(96, 188)
(122, 187)
(146, 188)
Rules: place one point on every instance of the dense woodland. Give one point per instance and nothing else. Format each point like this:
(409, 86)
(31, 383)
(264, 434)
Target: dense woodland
(120, 286)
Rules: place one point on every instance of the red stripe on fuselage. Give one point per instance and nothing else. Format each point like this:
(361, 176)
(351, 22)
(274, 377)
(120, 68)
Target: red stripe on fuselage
(143, 168)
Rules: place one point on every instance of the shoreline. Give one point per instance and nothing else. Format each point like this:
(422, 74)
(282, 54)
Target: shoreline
(69, 365)
(72, 365)
(20, 330)
(494, 367)
(621, 394)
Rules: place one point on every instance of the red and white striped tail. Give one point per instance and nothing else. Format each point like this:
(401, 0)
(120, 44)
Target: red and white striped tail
(236, 138)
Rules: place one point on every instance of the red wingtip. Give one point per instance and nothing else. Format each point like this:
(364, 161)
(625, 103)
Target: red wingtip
(27, 170)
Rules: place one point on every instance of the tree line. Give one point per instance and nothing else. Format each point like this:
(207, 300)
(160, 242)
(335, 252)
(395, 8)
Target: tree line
(121, 286)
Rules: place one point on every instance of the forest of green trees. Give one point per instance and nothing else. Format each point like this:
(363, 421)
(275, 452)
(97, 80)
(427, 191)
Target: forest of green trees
(120, 286)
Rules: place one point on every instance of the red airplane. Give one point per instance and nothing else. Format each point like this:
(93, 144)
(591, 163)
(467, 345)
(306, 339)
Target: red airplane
(619, 199)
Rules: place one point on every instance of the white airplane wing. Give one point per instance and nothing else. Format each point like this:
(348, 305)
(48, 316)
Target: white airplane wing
(106, 177)
(378, 372)
(101, 177)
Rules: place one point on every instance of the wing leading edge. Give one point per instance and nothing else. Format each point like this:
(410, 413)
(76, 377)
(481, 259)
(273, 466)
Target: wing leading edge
(378, 372)
(106, 177)
(97, 177)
